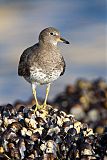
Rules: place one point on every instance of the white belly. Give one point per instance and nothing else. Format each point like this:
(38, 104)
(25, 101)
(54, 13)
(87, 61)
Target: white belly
(43, 78)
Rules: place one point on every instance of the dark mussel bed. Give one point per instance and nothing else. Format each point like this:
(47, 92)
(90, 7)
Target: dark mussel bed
(47, 135)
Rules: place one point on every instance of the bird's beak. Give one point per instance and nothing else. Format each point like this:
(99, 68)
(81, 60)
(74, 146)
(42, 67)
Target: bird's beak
(63, 40)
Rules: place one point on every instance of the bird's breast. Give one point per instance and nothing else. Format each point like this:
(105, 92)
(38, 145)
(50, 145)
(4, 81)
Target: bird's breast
(40, 76)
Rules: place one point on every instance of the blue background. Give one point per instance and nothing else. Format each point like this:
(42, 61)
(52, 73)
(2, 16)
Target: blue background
(81, 22)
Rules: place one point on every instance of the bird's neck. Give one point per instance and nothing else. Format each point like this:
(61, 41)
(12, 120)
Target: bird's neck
(45, 45)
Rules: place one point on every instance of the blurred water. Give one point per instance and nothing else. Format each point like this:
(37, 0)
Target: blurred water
(83, 23)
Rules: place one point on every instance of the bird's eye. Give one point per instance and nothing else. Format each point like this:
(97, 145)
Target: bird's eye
(51, 33)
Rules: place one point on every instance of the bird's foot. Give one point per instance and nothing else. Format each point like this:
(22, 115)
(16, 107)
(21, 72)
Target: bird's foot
(40, 107)
(41, 111)
(44, 106)
(36, 108)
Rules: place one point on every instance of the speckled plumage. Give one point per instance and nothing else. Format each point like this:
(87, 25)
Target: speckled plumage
(47, 61)
(43, 63)
(43, 58)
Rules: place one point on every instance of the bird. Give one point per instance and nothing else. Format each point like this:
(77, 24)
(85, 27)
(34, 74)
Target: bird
(43, 63)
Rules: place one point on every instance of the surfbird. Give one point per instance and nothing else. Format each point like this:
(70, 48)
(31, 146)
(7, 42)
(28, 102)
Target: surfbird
(43, 63)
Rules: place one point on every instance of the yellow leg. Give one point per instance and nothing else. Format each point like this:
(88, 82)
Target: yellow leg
(47, 93)
(35, 96)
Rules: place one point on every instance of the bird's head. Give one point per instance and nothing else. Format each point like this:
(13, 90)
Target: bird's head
(51, 36)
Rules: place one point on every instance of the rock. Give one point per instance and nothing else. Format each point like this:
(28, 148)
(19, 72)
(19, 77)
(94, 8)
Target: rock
(48, 135)
(87, 100)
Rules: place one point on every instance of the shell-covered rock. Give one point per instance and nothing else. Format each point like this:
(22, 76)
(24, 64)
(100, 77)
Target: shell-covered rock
(47, 135)
(87, 100)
